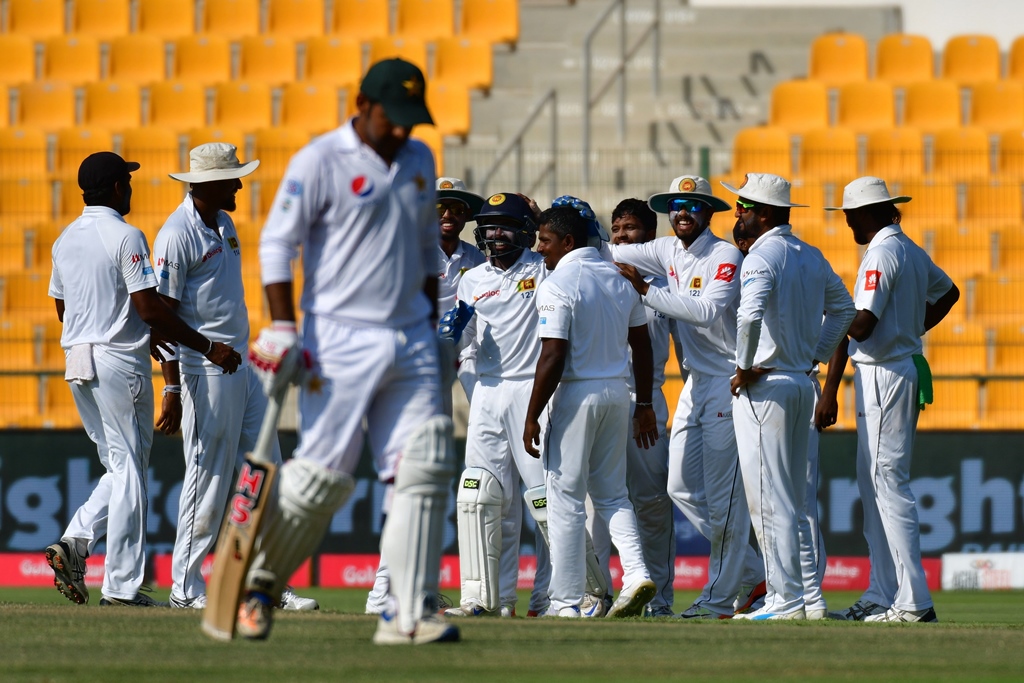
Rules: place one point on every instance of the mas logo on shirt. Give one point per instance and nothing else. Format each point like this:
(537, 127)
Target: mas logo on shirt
(362, 186)
(726, 272)
(871, 280)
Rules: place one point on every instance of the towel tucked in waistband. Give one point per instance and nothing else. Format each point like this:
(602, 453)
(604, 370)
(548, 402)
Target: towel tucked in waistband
(80, 367)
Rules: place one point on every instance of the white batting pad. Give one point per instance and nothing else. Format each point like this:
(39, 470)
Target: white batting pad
(479, 509)
(537, 503)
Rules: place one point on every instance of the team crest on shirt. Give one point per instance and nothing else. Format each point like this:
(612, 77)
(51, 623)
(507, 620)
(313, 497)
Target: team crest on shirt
(526, 287)
(362, 186)
(293, 187)
(233, 243)
(696, 284)
(871, 280)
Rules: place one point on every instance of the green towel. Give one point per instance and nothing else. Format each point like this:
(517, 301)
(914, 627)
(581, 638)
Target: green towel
(924, 381)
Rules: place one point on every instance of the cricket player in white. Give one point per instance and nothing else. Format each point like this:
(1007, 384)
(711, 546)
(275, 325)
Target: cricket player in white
(704, 478)
(502, 328)
(785, 286)
(105, 293)
(199, 266)
(587, 316)
(899, 295)
(360, 203)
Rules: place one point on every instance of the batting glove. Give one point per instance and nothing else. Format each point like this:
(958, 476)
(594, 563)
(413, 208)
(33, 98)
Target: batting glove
(278, 357)
(452, 323)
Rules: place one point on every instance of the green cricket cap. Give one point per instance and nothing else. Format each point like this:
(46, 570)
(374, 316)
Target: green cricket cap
(400, 88)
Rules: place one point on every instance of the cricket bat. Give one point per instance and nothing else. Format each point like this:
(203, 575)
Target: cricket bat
(241, 525)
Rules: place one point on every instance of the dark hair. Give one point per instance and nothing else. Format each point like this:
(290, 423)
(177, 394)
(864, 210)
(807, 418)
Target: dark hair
(565, 220)
(99, 197)
(779, 214)
(883, 213)
(639, 209)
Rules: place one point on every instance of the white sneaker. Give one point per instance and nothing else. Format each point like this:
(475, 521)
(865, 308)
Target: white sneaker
(816, 613)
(631, 600)
(468, 610)
(750, 598)
(68, 570)
(198, 602)
(295, 603)
(430, 629)
(571, 612)
(507, 612)
(593, 606)
(764, 615)
(858, 611)
(895, 614)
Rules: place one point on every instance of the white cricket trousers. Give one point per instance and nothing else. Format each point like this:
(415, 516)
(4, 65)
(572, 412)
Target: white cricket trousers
(887, 411)
(812, 545)
(221, 418)
(586, 453)
(771, 417)
(494, 442)
(704, 480)
(117, 411)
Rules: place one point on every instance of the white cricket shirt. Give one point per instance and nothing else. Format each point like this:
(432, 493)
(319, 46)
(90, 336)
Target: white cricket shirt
(786, 284)
(703, 291)
(98, 262)
(203, 271)
(463, 259)
(503, 331)
(895, 280)
(368, 231)
(588, 303)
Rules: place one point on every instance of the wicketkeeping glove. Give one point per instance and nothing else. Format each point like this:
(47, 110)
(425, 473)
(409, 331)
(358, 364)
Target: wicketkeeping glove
(278, 357)
(452, 323)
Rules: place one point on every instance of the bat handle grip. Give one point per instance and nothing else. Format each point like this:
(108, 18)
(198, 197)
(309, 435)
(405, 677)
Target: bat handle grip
(268, 429)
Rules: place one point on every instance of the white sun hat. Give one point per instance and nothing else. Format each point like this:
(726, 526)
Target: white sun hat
(453, 188)
(687, 187)
(214, 161)
(764, 188)
(866, 191)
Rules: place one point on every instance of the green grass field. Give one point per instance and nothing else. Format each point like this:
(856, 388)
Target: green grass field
(45, 638)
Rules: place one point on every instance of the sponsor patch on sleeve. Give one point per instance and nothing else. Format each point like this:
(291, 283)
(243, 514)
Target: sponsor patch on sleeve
(871, 280)
(726, 272)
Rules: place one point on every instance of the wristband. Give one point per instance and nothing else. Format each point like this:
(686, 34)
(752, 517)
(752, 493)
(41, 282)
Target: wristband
(284, 325)
(644, 405)
(172, 389)
(209, 350)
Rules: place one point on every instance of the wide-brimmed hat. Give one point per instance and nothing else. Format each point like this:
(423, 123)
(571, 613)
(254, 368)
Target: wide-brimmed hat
(687, 187)
(864, 192)
(214, 161)
(399, 87)
(453, 188)
(764, 188)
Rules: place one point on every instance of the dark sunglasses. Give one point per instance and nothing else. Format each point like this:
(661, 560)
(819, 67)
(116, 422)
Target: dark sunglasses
(687, 205)
(743, 206)
(458, 210)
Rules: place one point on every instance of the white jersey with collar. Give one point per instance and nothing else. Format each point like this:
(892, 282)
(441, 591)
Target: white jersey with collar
(98, 262)
(368, 231)
(895, 281)
(786, 284)
(588, 303)
(203, 272)
(702, 290)
(503, 331)
(660, 327)
(451, 269)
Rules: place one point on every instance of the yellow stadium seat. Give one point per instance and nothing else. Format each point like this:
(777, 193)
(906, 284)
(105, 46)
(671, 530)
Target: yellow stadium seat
(153, 199)
(19, 62)
(1002, 404)
(48, 106)
(75, 144)
(232, 136)
(112, 105)
(997, 106)
(156, 149)
(804, 190)
(933, 205)
(963, 252)
(25, 201)
(295, 19)
(838, 58)
(203, 59)
(242, 104)
(334, 61)
(26, 297)
(167, 19)
(998, 299)
(22, 153)
(902, 59)
(866, 106)
(39, 239)
(829, 154)
(360, 20)
(961, 154)
(449, 106)
(231, 19)
(896, 154)
(5, 107)
(1011, 154)
(20, 344)
(1015, 63)
(799, 106)
(274, 148)
(71, 59)
(177, 105)
(36, 19)
(101, 19)
(971, 59)
(310, 108)
(59, 409)
(955, 407)
(429, 136)
(426, 20)
(931, 106)
(350, 102)
(993, 204)
(467, 62)
(414, 51)
(52, 353)
(267, 60)
(16, 253)
(957, 348)
(137, 59)
(1010, 249)
(70, 202)
(1009, 349)
(494, 21)
(835, 241)
(764, 149)
(19, 401)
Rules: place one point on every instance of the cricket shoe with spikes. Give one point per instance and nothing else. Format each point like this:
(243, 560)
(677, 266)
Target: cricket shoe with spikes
(632, 600)
(751, 598)
(430, 629)
(140, 600)
(765, 615)
(896, 615)
(468, 610)
(68, 571)
(701, 612)
(255, 616)
(593, 606)
(858, 611)
(296, 603)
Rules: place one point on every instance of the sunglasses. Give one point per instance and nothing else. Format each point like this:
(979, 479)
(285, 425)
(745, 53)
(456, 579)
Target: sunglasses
(687, 205)
(459, 210)
(743, 206)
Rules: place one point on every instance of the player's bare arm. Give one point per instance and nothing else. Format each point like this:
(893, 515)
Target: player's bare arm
(550, 366)
(59, 303)
(155, 313)
(934, 313)
(827, 411)
(280, 301)
(645, 423)
(169, 421)
(430, 289)
(863, 325)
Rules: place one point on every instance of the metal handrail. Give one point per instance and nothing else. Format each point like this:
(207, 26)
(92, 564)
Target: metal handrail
(516, 144)
(653, 30)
